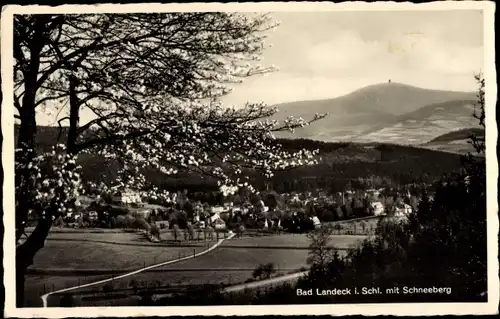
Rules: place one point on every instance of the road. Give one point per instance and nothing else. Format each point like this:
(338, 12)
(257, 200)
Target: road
(265, 282)
(217, 244)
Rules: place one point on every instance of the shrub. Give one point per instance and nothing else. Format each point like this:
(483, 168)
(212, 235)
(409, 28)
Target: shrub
(59, 222)
(113, 222)
(154, 230)
(175, 231)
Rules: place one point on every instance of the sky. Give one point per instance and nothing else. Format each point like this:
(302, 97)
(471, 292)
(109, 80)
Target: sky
(328, 54)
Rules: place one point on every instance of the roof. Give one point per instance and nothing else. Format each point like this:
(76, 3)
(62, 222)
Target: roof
(214, 217)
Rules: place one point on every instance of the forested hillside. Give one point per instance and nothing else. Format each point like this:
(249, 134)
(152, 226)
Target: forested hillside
(342, 165)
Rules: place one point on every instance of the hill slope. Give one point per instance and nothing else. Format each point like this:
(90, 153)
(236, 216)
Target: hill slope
(455, 141)
(370, 107)
(424, 124)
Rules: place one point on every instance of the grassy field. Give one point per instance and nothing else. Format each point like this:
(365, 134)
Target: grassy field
(124, 238)
(74, 255)
(36, 286)
(297, 241)
(227, 266)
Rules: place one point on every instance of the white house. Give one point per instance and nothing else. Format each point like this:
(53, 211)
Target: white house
(263, 207)
(127, 197)
(217, 222)
(316, 222)
(403, 210)
(217, 209)
(378, 208)
(196, 217)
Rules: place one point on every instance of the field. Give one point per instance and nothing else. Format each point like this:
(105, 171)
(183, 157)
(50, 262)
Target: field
(288, 242)
(78, 256)
(67, 252)
(232, 263)
(96, 256)
(106, 251)
(72, 257)
(37, 285)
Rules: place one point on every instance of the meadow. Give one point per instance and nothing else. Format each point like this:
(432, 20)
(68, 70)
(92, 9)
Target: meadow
(72, 257)
(288, 241)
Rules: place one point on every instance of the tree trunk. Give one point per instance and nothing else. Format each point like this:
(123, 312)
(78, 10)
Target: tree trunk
(26, 142)
(74, 116)
(26, 252)
(23, 177)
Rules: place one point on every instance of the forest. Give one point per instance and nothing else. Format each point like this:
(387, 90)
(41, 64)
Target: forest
(341, 166)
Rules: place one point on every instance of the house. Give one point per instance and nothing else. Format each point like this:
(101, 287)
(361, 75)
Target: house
(92, 215)
(217, 209)
(402, 210)
(196, 217)
(372, 193)
(127, 197)
(262, 207)
(85, 201)
(378, 208)
(214, 217)
(217, 222)
(316, 222)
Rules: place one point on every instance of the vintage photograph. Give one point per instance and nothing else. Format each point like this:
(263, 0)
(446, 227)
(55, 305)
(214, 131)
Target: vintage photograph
(249, 155)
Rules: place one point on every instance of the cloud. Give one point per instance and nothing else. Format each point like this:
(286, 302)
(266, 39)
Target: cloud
(346, 52)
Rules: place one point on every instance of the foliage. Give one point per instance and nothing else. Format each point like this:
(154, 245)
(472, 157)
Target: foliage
(176, 231)
(264, 271)
(319, 251)
(154, 231)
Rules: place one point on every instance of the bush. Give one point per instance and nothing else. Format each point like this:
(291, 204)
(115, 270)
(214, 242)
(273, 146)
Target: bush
(140, 223)
(264, 271)
(59, 222)
(154, 230)
(240, 230)
(191, 232)
(121, 221)
(175, 231)
(113, 223)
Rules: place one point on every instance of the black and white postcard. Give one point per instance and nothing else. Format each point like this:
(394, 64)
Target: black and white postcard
(249, 158)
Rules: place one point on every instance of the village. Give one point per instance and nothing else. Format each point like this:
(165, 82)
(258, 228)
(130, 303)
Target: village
(268, 211)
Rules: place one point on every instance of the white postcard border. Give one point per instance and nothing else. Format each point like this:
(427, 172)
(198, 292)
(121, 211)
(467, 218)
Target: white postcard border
(345, 309)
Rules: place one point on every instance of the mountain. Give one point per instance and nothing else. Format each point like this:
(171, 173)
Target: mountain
(455, 141)
(362, 110)
(423, 124)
